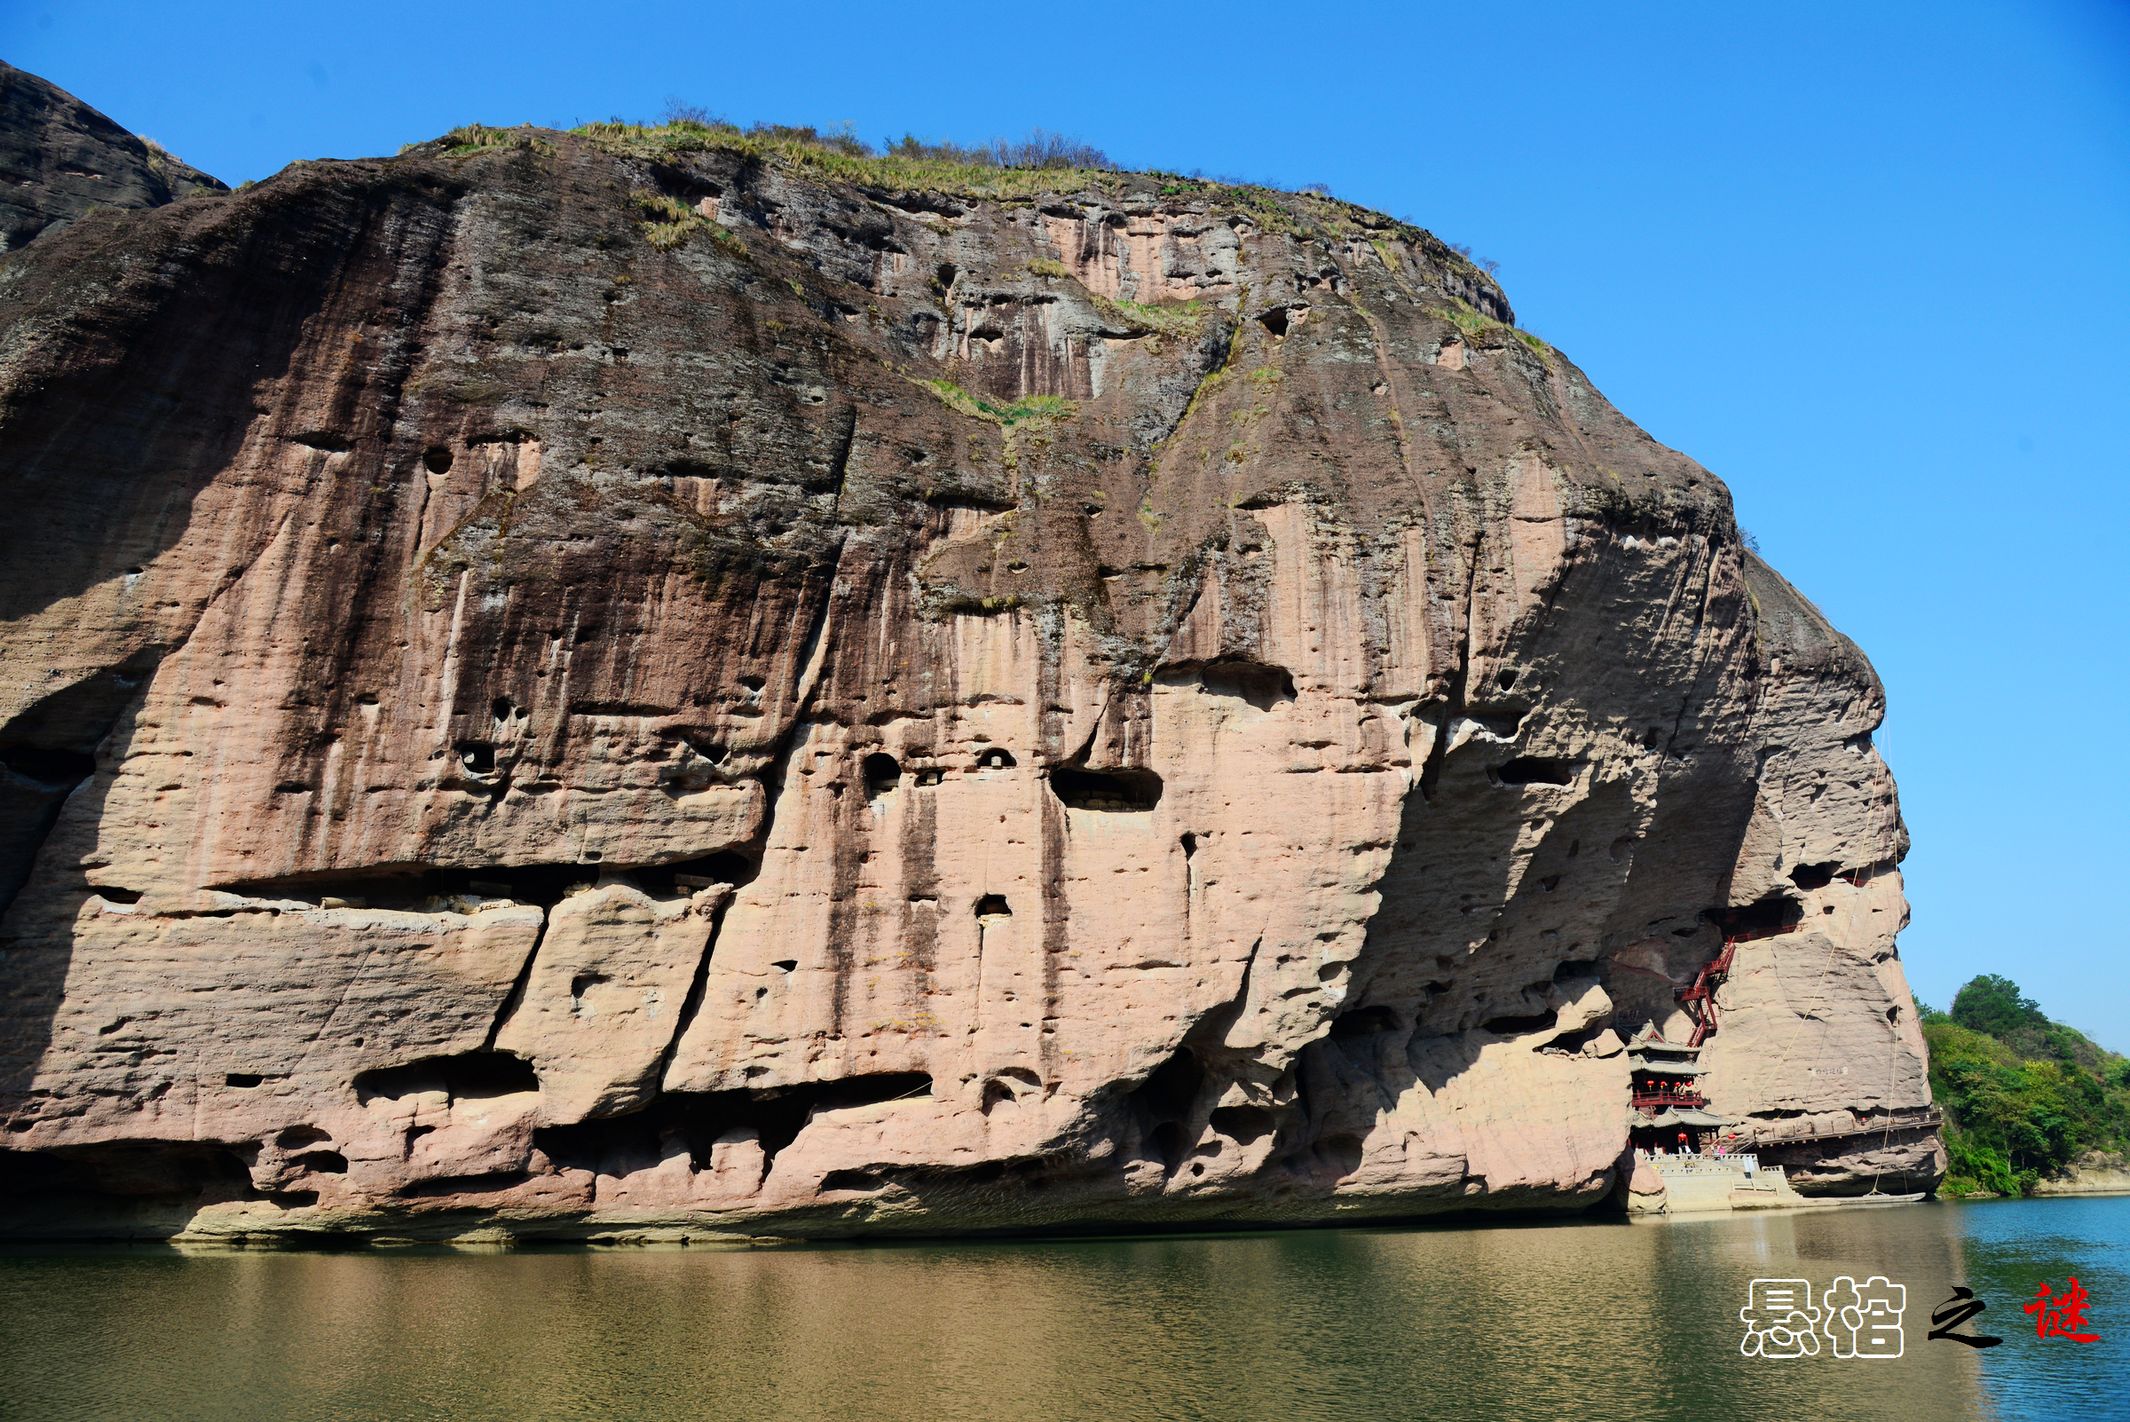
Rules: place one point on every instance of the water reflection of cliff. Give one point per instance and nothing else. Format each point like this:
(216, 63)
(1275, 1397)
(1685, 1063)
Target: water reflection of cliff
(1575, 1320)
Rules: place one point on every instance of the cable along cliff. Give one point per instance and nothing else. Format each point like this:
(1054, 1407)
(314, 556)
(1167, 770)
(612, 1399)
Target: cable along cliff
(582, 685)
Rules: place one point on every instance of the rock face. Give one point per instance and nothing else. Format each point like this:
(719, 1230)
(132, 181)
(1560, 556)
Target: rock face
(2096, 1173)
(587, 683)
(59, 158)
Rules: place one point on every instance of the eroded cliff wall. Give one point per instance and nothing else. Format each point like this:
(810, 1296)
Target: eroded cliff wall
(59, 158)
(574, 683)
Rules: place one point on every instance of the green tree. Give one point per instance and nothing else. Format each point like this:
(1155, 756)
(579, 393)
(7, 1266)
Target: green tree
(1994, 1004)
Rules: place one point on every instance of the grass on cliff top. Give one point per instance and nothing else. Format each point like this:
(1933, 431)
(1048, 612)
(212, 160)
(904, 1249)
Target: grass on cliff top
(1043, 165)
(940, 168)
(471, 138)
(2024, 1097)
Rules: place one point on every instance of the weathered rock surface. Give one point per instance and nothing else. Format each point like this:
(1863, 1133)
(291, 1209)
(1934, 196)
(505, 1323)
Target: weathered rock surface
(59, 159)
(2096, 1173)
(850, 709)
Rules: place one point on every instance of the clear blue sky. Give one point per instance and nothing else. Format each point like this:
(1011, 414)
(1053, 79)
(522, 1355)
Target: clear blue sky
(1868, 262)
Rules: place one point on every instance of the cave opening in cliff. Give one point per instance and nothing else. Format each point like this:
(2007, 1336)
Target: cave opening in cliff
(51, 774)
(1244, 1125)
(1500, 720)
(882, 773)
(417, 889)
(1006, 1085)
(126, 1173)
(1763, 918)
(1120, 789)
(772, 1115)
(1813, 876)
(443, 1186)
(1363, 1022)
(478, 757)
(993, 906)
(1518, 1025)
(465, 1076)
(858, 1180)
(686, 876)
(995, 758)
(48, 766)
(1534, 770)
(1259, 684)
(1164, 1100)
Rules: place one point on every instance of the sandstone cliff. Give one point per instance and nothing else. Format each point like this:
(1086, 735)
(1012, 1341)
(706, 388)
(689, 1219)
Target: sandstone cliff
(59, 158)
(579, 683)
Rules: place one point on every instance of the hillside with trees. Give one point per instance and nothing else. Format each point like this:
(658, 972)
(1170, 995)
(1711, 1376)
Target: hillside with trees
(2025, 1098)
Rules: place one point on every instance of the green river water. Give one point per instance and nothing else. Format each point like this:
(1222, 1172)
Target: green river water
(1574, 1320)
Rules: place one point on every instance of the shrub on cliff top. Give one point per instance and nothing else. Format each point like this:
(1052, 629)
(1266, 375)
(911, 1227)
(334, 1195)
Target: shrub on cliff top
(1042, 162)
(1040, 149)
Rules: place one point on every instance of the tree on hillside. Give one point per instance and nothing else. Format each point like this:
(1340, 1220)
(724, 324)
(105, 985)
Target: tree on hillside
(2024, 1097)
(1994, 1004)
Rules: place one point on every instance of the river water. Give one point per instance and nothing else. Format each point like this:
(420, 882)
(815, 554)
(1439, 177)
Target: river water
(1583, 1320)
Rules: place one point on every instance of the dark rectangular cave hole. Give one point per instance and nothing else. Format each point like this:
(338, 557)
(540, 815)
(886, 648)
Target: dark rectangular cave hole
(1763, 918)
(200, 1171)
(465, 1076)
(1517, 1026)
(686, 875)
(420, 888)
(1363, 1022)
(852, 1180)
(1813, 876)
(1535, 770)
(48, 766)
(881, 773)
(417, 887)
(1503, 720)
(1242, 1123)
(1261, 684)
(775, 1114)
(1123, 789)
(442, 1186)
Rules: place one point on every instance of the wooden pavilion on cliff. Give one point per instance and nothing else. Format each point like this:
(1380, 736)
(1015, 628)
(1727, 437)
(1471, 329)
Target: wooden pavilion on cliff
(1668, 1111)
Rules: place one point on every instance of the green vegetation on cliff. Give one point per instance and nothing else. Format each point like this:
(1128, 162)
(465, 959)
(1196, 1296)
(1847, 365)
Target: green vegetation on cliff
(2024, 1097)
